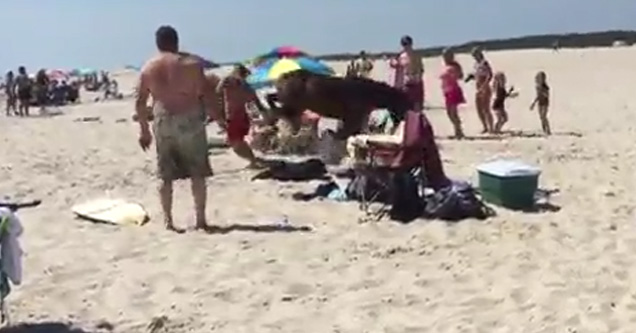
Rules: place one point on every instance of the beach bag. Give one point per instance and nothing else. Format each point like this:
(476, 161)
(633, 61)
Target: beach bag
(406, 202)
(457, 202)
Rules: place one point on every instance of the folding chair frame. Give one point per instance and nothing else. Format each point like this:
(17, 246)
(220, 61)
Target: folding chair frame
(372, 168)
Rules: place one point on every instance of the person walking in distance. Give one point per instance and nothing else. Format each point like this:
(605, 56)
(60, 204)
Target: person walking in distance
(25, 91)
(10, 90)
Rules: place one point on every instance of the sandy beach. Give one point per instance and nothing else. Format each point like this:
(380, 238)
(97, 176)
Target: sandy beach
(569, 270)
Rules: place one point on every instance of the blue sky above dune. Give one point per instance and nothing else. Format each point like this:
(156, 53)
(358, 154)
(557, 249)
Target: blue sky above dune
(98, 33)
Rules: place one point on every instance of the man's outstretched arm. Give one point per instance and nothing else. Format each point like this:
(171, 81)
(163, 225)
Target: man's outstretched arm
(208, 97)
(142, 93)
(221, 98)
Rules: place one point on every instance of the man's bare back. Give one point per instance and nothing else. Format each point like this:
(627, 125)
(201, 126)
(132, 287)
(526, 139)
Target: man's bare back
(175, 80)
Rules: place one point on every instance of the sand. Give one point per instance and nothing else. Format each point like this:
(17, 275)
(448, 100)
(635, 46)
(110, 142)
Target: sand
(553, 271)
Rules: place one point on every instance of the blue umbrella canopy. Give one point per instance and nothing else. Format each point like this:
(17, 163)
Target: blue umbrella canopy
(270, 70)
(133, 67)
(83, 71)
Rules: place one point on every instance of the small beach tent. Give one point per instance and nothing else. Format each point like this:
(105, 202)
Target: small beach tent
(83, 71)
(57, 75)
(132, 67)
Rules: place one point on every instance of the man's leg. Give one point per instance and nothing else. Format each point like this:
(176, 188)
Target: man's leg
(165, 196)
(243, 150)
(237, 130)
(199, 194)
(193, 145)
(164, 144)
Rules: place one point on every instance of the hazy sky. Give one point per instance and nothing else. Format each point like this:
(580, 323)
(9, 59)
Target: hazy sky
(111, 33)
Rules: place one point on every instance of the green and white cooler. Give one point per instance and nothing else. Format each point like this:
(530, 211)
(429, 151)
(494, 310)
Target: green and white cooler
(508, 183)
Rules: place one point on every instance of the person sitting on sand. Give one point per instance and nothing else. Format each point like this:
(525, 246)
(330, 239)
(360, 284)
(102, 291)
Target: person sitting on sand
(409, 72)
(499, 103)
(233, 94)
(112, 90)
(176, 82)
(58, 94)
(542, 100)
(10, 90)
(453, 93)
(72, 93)
(104, 81)
(351, 69)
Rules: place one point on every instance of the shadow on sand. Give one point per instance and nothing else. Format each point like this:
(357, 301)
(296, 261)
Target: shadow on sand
(434, 107)
(522, 134)
(542, 202)
(511, 134)
(47, 327)
(48, 113)
(257, 228)
(543, 207)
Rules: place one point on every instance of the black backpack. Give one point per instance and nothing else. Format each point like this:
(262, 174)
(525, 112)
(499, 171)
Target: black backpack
(457, 202)
(406, 202)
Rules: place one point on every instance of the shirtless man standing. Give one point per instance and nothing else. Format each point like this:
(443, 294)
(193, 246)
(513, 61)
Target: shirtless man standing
(233, 94)
(177, 84)
(25, 90)
(364, 66)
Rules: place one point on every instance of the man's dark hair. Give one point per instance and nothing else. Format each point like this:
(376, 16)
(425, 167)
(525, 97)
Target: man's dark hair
(242, 70)
(21, 70)
(167, 39)
(406, 40)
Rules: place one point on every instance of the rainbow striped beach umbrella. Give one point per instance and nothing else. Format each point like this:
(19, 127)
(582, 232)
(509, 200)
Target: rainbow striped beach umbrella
(266, 73)
(283, 52)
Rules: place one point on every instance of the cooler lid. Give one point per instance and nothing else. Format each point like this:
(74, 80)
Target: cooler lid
(508, 168)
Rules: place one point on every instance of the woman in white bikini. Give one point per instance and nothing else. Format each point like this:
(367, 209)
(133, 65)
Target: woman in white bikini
(483, 94)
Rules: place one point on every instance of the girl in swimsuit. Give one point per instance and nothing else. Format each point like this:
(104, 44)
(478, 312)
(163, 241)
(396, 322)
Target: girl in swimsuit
(482, 76)
(453, 94)
(499, 104)
(542, 100)
(408, 73)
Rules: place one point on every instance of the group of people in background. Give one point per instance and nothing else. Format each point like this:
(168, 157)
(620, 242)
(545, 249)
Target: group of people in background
(491, 91)
(22, 92)
(104, 83)
(361, 67)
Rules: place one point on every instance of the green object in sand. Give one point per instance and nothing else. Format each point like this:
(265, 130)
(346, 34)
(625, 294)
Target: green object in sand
(510, 184)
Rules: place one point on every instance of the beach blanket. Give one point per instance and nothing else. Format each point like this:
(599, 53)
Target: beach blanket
(311, 169)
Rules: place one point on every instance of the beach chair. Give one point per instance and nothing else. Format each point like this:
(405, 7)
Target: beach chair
(10, 262)
(5, 287)
(396, 169)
